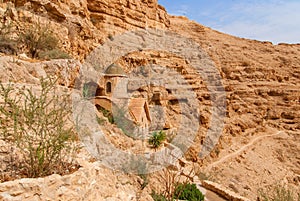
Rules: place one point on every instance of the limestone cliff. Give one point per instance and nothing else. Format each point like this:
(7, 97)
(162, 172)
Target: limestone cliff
(261, 80)
(81, 25)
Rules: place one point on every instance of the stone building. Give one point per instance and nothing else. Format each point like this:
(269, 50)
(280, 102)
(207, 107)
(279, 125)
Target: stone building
(112, 92)
(114, 82)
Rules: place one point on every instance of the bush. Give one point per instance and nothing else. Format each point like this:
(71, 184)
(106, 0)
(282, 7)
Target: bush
(188, 192)
(38, 39)
(156, 139)
(177, 186)
(37, 125)
(182, 192)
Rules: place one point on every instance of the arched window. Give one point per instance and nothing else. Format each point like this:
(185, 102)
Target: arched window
(108, 87)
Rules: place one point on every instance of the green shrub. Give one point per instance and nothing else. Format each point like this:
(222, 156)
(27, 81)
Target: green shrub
(182, 192)
(176, 186)
(37, 124)
(188, 192)
(157, 138)
(38, 39)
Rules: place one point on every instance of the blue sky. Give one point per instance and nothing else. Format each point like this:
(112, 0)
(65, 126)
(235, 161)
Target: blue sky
(266, 20)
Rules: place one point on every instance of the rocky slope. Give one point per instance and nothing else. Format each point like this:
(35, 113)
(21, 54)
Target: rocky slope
(261, 81)
(262, 86)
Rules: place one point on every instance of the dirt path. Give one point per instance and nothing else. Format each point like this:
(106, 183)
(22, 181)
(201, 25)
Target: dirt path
(243, 148)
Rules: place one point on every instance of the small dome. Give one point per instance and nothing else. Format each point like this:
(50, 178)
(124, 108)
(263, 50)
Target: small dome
(114, 69)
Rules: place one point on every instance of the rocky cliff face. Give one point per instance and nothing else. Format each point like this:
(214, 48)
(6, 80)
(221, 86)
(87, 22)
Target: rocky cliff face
(261, 80)
(82, 25)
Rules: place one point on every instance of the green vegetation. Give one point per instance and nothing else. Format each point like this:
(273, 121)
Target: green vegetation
(183, 191)
(156, 139)
(105, 112)
(279, 193)
(188, 192)
(39, 40)
(36, 123)
(177, 186)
